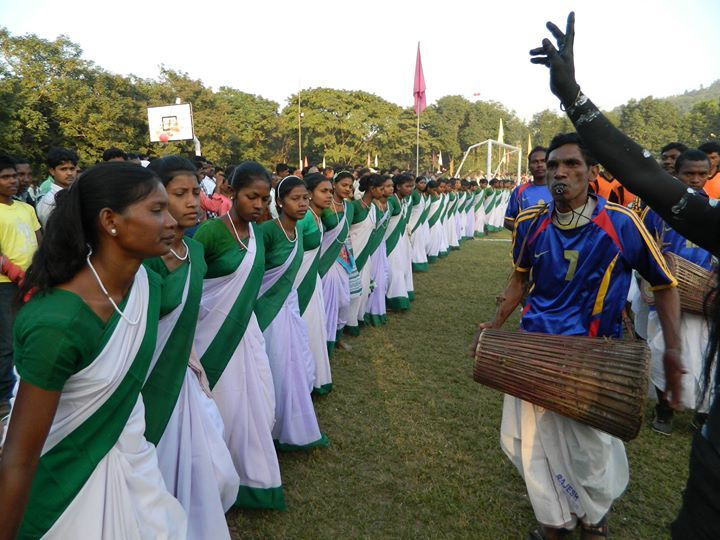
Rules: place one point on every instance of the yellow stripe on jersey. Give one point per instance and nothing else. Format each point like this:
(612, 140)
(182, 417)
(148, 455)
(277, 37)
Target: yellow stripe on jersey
(529, 213)
(652, 246)
(604, 286)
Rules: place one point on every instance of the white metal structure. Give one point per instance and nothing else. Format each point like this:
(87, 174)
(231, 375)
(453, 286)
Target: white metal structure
(490, 142)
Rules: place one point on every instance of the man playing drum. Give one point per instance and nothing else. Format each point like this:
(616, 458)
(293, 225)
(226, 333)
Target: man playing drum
(581, 250)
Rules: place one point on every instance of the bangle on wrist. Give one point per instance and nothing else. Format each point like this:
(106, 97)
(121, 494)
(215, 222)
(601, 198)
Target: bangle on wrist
(574, 101)
(679, 351)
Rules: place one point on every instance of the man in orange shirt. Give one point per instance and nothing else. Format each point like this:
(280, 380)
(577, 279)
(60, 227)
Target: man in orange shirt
(712, 151)
(624, 196)
(605, 185)
(669, 153)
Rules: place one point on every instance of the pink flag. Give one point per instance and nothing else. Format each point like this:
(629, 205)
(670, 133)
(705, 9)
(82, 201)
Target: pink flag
(419, 87)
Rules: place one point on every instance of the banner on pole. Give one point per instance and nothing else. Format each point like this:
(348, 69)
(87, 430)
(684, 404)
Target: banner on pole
(419, 86)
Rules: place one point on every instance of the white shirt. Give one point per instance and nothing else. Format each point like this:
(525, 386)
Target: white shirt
(46, 204)
(273, 206)
(208, 185)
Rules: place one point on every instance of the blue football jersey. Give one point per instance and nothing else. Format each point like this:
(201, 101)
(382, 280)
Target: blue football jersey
(582, 275)
(525, 196)
(670, 240)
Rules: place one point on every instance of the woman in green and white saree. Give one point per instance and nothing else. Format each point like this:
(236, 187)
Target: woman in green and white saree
(460, 211)
(417, 233)
(336, 261)
(376, 311)
(445, 207)
(307, 281)
(182, 421)
(399, 252)
(363, 240)
(491, 195)
(229, 340)
(435, 240)
(470, 210)
(76, 463)
(479, 203)
(286, 333)
(451, 216)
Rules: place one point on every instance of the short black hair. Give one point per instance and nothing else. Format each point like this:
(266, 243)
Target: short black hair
(56, 156)
(673, 146)
(281, 167)
(691, 154)
(112, 153)
(561, 139)
(7, 162)
(710, 147)
(537, 149)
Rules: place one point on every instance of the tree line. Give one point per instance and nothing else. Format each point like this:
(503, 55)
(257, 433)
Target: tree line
(51, 96)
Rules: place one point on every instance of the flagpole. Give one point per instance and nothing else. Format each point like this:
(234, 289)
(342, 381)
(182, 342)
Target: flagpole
(300, 162)
(417, 148)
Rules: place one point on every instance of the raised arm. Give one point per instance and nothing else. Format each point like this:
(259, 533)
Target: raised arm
(691, 215)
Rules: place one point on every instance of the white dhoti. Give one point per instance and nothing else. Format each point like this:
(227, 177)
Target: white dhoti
(694, 333)
(571, 471)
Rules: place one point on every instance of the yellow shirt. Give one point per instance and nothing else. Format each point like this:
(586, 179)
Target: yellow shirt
(18, 242)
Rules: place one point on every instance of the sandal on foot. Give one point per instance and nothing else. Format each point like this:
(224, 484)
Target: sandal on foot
(595, 532)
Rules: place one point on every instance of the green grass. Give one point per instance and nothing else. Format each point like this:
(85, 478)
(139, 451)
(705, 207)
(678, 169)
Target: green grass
(415, 442)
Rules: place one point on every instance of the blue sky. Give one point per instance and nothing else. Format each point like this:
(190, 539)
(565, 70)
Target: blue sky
(624, 49)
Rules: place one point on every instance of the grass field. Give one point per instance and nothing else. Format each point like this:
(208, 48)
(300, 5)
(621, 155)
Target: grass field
(415, 442)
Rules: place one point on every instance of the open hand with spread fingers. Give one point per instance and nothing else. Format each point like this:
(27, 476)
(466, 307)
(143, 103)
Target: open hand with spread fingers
(560, 61)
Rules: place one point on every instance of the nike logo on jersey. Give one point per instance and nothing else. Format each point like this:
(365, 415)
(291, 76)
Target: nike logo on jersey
(538, 255)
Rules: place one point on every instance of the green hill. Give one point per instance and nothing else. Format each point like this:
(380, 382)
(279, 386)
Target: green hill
(685, 101)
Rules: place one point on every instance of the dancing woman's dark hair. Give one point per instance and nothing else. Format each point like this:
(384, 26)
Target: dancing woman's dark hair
(342, 175)
(73, 224)
(246, 173)
(400, 179)
(285, 186)
(432, 184)
(313, 180)
(372, 181)
(169, 167)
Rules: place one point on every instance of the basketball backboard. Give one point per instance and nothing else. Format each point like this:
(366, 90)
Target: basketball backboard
(170, 123)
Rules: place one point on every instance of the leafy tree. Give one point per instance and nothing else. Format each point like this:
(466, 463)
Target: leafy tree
(702, 123)
(651, 122)
(341, 125)
(51, 96)
(546, 124)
